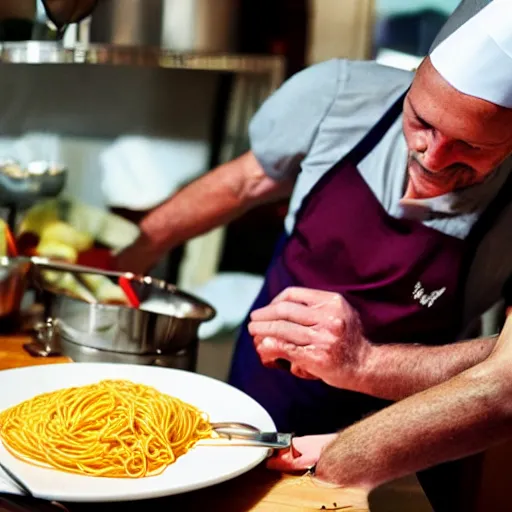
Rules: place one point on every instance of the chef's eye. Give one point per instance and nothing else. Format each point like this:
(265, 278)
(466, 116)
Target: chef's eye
(423, 123)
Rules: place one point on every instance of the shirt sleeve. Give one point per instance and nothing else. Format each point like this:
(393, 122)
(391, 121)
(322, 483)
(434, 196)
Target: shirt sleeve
(283, 130)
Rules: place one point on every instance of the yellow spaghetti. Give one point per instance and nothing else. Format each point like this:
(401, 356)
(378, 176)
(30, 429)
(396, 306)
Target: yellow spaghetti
(113, 428)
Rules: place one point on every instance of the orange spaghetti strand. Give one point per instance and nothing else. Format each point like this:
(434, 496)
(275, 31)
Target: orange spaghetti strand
(114, 428)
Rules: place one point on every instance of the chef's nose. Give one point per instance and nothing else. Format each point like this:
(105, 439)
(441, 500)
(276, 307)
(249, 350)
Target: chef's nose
(437, 151)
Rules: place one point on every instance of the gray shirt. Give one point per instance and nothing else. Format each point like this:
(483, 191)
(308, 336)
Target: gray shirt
(321, 113)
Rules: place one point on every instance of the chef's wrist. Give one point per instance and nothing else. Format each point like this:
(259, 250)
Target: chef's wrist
(355, 373)
(140, 256)
(333, 473)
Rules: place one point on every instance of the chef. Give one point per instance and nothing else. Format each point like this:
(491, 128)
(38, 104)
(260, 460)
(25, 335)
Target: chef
(396, 238)
(325, 335)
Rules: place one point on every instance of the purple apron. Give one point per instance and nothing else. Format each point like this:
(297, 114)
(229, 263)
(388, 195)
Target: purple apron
(404, 278)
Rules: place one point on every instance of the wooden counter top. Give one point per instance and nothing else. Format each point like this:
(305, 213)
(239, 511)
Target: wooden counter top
(259, 490)
(13, 355)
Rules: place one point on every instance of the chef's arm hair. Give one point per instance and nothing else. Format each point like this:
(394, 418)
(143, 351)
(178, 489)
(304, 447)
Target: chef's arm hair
(214, 199)
(462, 416)
(396, 371)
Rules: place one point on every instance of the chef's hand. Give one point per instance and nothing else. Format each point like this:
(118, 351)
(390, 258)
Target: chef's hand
(302, 455)
(318, 332)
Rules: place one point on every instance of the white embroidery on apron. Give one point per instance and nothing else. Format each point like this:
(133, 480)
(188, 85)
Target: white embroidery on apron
(426, 299)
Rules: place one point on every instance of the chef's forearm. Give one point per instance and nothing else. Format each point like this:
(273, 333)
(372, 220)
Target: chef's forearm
(396, 371)
(462, 416)
(216, 198)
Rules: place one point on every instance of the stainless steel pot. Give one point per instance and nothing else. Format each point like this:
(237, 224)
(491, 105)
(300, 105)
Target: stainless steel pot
(125, 330)
(179, 25)
(185, 359)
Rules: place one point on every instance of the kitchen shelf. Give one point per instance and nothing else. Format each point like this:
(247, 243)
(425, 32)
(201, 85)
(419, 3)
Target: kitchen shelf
(48, 52)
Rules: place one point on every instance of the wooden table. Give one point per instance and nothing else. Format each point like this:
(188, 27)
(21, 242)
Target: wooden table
(259, 490)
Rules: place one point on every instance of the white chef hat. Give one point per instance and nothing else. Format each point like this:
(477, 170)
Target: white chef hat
(477, 58)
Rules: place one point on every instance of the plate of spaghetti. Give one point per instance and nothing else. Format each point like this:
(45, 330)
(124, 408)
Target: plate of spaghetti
(87, 432)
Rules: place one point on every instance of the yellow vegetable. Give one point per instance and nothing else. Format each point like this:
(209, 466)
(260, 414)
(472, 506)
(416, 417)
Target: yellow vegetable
(3, 238)
(51, 276)
(69, 283)
(94, 281)
(108, 292)
(58, 250)
(64, 233)
(38, 217)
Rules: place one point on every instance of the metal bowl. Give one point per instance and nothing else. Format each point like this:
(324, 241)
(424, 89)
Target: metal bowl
(23, 186)
(122, 329)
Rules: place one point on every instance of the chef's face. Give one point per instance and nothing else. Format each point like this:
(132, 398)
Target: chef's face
(454, 140)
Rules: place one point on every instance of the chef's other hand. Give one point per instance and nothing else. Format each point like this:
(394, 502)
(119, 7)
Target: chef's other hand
(318, 332)
(302, 455)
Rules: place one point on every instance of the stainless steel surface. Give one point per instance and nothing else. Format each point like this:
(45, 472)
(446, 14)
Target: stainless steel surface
(230, 425)
(45, 263)
(247, 435)
(179, 25)
(47, 338)
(185, 359)
(117, 328)
(152, 293)
(22, 186)
(13, 283)
(47, 52)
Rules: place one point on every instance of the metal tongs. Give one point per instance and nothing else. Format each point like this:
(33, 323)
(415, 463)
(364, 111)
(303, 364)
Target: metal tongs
(247, 435)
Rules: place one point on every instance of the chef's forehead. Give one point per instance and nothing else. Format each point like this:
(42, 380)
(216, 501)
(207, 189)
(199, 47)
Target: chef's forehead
(431, 88)
(457, 115)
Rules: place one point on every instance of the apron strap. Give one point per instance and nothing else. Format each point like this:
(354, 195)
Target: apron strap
(374, 136)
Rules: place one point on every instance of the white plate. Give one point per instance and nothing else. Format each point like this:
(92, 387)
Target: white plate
(201, 467)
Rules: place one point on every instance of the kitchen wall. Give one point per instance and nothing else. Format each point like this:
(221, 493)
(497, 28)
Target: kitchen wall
(89, 107)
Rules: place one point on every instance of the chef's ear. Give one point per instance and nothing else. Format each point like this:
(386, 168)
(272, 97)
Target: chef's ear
(65, 12)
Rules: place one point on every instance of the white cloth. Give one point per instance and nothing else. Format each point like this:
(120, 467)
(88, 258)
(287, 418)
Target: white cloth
(477, 58)
(139, 173)
(232, 295)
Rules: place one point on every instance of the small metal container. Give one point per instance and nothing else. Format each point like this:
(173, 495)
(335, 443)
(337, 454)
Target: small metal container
(22, 187)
